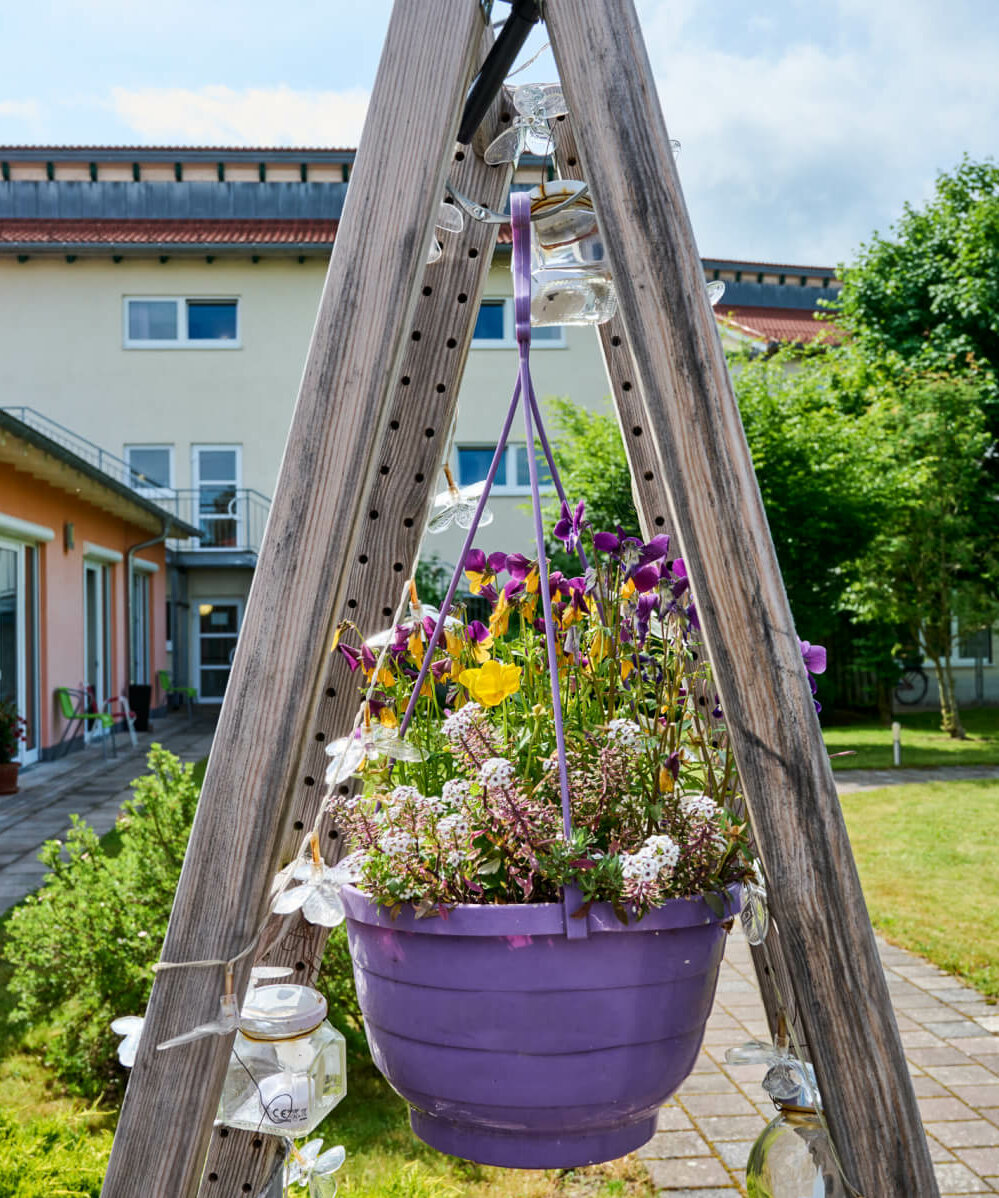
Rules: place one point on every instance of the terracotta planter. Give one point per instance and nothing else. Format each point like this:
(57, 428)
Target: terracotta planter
(8, 777)
(516, 1046)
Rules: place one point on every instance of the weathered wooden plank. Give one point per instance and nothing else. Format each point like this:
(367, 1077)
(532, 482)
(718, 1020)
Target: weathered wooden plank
(402, 488)
(651, 497)
(318, 524)
(690, 413)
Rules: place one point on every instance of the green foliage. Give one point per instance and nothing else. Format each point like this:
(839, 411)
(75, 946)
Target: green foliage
(432, 578)
(52, 1156)
(336, 984)
(928, 294)
(83, 946)
(592, 465)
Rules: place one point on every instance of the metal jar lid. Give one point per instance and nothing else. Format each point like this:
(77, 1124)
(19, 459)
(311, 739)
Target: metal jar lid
(282, 1012)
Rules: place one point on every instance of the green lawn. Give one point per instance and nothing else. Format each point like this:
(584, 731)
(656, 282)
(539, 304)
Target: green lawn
(923, 744)
(927, 860)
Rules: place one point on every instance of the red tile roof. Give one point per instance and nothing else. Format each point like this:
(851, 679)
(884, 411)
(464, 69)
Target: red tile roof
(63, 234)
(794, 325)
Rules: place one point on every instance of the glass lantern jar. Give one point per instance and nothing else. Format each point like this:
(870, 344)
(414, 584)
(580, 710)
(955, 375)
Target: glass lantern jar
(288, 1065)
(570, 276)
(794, 1159)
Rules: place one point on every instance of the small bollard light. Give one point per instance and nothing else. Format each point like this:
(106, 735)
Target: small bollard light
(896, 743)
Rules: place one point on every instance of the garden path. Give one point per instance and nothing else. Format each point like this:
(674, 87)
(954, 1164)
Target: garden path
(950, 1035)
(848, 781)
(81, 783)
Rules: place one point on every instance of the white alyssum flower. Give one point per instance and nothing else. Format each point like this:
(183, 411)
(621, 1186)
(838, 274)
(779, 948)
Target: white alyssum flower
(497, 771)
(700, 808)
(456, 724)
(396, 843)
(625, 732)
(405, 794)
(453, 825)
(455, 791)
(664, 850)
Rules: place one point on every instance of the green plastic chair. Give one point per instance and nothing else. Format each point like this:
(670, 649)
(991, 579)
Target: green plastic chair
(73, 706)
(188, 693)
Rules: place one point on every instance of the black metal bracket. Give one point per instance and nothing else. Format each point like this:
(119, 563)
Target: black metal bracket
(524, 15)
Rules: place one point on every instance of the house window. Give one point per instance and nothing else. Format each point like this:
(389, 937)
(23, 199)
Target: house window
(512, 474)
(180, 322)
(494, 328)
(972, 647)
(151, 467)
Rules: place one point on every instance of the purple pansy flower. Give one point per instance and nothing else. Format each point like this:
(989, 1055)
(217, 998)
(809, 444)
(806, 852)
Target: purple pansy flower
(477, 632)
(814, 656)
(518, 566)
(351, 655)
(655, 550)
(569, 527)
(645, 578)
(692, 616)
(679, 570)
(606, 542)
(368, 659)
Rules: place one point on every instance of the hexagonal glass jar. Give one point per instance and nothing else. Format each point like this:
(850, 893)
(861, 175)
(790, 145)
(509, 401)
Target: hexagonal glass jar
(570, 276)
(288, 1065)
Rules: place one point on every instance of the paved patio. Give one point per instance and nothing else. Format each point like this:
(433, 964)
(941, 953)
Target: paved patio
(81, 783)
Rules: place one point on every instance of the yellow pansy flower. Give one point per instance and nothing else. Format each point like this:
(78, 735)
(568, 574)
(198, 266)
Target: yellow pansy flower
(499, 621)
(491, 684)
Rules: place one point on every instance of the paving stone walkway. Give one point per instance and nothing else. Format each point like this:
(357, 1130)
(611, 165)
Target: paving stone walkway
(950, 1035)
(81, 783)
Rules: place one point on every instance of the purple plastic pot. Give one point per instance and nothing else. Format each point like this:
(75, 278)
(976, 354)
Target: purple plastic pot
(516, 1046)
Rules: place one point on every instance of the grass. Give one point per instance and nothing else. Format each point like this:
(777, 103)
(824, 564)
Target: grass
(927, 861)
(923, 744)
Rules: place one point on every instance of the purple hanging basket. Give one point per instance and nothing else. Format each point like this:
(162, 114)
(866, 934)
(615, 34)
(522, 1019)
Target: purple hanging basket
(516, 1046)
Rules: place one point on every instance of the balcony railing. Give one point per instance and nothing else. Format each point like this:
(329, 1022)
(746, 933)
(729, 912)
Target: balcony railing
(107, 463)
(231, 519)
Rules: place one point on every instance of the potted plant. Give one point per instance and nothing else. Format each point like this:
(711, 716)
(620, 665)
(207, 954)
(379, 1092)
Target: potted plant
(535, 996)
(12, 731)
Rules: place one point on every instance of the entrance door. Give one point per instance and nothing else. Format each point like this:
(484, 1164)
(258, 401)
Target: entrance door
(18, 666)
(216, 471)
(218, 631)
(96, 634)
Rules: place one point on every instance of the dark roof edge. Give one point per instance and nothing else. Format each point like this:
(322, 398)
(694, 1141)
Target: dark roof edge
(26, 433)
(140, 249)
(175, 153)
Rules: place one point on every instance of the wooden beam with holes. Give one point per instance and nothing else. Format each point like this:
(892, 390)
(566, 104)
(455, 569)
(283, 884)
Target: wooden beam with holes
(321, 520)
(651, 496)
(689, 412)
(408, 475)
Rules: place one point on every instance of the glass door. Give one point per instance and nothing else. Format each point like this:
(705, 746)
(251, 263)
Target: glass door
(18, 669)
(216, 471)
(96, 635)
(140, 627)
(218, 631)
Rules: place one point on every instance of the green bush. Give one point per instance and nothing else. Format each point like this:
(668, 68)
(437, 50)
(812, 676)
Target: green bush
(82, 947)
(52, 1156)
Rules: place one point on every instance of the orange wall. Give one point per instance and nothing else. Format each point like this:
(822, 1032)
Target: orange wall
(60, 573)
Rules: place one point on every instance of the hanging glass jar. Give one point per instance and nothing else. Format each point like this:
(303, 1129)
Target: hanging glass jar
(288, 1065)
(793, 1158)
(570, 275)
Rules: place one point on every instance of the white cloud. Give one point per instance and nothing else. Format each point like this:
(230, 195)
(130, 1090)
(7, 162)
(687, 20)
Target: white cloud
(20, 110)
(217, 115)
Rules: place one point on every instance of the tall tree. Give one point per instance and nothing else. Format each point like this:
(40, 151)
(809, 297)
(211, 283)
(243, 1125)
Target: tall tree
(932, 567)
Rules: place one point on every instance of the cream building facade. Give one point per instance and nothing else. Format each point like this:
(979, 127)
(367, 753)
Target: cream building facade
(161, 302)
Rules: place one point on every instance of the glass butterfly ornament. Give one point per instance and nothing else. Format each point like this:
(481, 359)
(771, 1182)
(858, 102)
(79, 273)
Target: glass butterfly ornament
(536, 105)
(310, 1166)
(368, 743)
(457, 505)
(449, 220)
(755, 915)
(317, 894)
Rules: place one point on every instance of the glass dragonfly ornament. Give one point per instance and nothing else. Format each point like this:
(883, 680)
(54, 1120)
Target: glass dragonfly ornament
(457, 505)
(793, 1156)
(370, 742)
(449, 220)
(536, 104)
(317, 892)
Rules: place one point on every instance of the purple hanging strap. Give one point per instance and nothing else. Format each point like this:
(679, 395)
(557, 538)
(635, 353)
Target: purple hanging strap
(520, 210)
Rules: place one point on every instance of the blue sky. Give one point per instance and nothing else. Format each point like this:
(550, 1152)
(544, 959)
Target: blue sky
(803, 126)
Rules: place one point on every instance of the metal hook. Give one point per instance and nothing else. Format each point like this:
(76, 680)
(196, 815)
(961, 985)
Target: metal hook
(489, 216)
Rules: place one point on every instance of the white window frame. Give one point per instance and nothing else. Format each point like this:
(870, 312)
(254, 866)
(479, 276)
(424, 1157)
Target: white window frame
(510, 454)
(181, 341)
(196, 605)
(196, 482)
(166, 492)
(509, 339)
(955, 655)
(24, 662)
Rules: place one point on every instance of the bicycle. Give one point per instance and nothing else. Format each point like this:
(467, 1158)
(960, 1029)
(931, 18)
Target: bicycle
(912, 686)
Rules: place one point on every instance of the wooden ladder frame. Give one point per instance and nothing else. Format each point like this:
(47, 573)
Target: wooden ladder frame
(371, 425)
